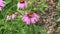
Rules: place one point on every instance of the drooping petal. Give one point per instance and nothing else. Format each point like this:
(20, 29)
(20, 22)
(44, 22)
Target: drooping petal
(1, 0)
(26, 4)
(35, 15)
(20, 5)
(2, 4)
(26, 19)
(24, 16)
(34, 19)
(29, 20)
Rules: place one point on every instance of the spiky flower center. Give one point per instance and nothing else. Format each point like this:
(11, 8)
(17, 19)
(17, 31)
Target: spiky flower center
(30, 14)
(21, 1)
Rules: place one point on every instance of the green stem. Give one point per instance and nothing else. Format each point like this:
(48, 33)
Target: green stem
(33, 29)
(28, 30)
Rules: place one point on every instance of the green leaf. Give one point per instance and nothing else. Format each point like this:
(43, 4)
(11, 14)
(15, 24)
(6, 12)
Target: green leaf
(8, 1)
(42, 10)
(44, 5)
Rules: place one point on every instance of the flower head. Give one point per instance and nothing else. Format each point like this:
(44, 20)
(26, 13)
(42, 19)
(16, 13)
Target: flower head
(30, 17)
(2, 4)
(11, 16)
(22, 4)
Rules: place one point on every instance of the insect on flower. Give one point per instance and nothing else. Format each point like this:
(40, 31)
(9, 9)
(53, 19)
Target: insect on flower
(30, 17)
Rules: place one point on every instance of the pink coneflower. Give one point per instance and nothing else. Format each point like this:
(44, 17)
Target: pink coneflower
(30, 17)
(58, 19)
(22, 4)
(2, 4)
(11, 16)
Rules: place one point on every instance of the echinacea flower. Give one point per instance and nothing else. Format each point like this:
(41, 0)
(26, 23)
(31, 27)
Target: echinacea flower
(21, 4)
(30, 18)
(58, 19)
(2, 4)
(11, 16)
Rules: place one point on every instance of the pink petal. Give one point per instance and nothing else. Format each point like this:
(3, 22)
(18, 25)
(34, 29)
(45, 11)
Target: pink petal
(24, 16)
(26, 19)
(58, 19)
(29, 20)
(33, 20)
(1, 0)
(35, 15)
(13, 16)
(26, 4)
(2, 3)
(20, 5)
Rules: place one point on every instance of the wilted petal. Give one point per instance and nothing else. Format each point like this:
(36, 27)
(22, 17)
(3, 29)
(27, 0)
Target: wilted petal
(0, 8)
(16, 13)
(8, 17)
